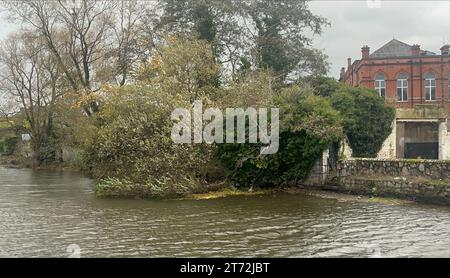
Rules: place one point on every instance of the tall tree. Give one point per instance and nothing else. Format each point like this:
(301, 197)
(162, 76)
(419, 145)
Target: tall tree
(191, 17)
(272, 34)
(93, 42)
(132, 38)
(279, 30)
(214, 21)
(30, 76)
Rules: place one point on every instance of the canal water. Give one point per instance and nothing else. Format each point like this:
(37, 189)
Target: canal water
(55, 214)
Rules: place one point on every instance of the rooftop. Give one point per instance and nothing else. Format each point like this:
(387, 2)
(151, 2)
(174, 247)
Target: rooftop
(396, 48)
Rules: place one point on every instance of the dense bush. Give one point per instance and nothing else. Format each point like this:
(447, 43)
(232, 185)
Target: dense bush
(8, 145)
(297, 154)
(308, 125)
(127, 145)
(322, 85)
(367, 121)
(132, 145)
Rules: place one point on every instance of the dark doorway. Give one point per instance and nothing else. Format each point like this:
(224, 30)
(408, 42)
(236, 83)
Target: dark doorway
(422, 150)
(418, 140)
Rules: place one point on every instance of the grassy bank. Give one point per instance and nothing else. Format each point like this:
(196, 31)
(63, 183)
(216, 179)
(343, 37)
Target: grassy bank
(223, 190)
(228, 192)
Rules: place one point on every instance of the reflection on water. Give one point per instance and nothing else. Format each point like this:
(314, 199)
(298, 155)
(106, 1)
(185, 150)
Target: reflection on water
(42, 213)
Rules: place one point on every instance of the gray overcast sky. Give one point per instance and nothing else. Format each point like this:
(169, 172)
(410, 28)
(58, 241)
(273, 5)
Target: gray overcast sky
(354, 24)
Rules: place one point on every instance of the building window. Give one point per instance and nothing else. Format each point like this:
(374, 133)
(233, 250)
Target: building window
(402, 87)
(380, 85)
(430, 87)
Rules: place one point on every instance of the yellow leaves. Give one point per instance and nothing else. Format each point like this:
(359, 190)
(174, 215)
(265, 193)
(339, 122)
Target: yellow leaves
(155, 63)
(26, 124)
(255, 90)
(149, 69)
(80, 100)
(183, 67)
(190, 62)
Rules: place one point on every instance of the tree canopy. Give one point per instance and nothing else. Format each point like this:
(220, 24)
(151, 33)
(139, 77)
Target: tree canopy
(270, 34)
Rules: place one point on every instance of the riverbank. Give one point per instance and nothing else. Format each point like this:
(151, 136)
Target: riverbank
(294, 190)
(343, 197)
(14, 162)
(372, 185)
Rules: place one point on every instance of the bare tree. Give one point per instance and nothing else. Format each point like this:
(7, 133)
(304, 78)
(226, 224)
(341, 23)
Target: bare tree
(94, 42)
(30, 76)
(132, 41)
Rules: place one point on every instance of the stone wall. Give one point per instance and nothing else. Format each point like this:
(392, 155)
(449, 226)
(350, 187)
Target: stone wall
(429, 191)
(422, 180)
(432, 169)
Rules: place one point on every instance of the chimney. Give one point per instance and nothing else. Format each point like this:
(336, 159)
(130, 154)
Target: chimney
(342, 72)
(445, 50)
(349, 63)
(415, 49)
(365, 50)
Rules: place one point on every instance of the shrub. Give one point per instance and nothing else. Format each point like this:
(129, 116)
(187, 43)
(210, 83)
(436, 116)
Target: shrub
(8, 145)
(308, 125)
(162, 187)
(131, 144)
(367, 121)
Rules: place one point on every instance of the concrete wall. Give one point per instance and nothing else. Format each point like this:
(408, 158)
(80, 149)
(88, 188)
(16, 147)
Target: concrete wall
(388, 150)
(319, 173)
(345, 151)
(444, 141)
(393, 147)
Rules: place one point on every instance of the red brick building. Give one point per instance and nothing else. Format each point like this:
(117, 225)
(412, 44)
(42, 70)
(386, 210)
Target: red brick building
(417, 83)
(403, 74)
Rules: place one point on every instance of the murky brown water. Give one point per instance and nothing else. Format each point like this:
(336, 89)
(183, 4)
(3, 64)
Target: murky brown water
(41, 213)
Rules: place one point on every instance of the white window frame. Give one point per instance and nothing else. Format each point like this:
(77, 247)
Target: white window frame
(380, 84)
(403, 87)
(429, 88)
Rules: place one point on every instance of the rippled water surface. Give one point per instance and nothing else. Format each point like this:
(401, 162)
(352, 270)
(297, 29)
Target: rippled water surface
(41, 213)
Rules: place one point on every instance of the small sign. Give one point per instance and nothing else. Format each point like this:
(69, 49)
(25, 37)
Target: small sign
(26, 137)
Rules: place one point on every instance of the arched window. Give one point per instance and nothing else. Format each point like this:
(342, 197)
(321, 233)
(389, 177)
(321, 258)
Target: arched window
(402, 87)
(430, 87)
(380, 85)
